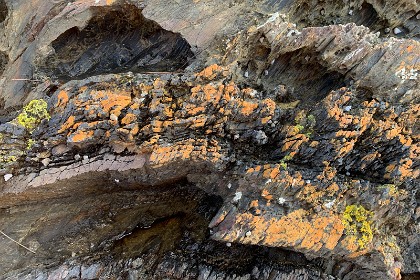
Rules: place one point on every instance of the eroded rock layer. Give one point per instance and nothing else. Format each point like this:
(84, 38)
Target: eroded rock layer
(209, 140)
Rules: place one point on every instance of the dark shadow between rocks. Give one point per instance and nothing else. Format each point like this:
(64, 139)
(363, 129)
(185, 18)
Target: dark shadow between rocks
(116, 40)
(3, 11)
(4, 59)
(331, 12)
(306, 78)
(105, 224)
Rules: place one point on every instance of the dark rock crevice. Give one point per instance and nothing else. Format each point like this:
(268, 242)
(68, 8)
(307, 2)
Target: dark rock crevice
(4, 11)
(307, 78)
(4, 59)
(108, 224)
(116, 40)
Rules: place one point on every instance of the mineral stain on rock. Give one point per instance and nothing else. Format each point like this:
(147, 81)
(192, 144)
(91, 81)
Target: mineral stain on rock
(209, 139)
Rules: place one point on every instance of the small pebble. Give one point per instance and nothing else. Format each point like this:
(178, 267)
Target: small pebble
(418, 16)
(246, 74)
(397, 31)
(85, 158)
(281, 200)
(347, 108)
(308, 181)
(113, 117)
(387, 30)
(248, 233)
(228, 244)
(266, 72)
(45, 162)
(7, 177)
(350, 12)
(322, 12)
(77, 157)
(116, 180)
(229, 185)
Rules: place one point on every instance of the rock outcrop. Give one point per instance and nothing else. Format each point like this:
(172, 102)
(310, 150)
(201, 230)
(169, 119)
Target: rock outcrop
(209, 139)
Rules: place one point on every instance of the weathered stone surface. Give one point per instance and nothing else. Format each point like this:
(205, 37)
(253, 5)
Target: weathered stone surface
(251, 140)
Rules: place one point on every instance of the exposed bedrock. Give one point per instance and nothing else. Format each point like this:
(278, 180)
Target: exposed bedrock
(209, 139)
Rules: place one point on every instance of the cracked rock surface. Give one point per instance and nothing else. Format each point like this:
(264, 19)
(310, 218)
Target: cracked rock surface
(209, 139)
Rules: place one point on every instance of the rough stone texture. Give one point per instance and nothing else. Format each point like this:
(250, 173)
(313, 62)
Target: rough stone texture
(210, 139)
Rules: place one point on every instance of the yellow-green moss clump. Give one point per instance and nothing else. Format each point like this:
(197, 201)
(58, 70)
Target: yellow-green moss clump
(33, 114)
(358, 222)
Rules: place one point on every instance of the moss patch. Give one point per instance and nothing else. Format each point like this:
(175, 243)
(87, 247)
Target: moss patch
(33, 114)
(358, 222)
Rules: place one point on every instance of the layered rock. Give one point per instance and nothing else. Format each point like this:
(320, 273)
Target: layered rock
(297, 144)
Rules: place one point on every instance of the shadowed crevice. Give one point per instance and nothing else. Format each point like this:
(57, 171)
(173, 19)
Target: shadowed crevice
(4, 11)
(116, 40)
(4, 59)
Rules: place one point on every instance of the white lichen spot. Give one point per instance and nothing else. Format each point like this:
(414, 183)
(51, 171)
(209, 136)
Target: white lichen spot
(293, 32)
(253, 93)
(329, 204)
(261, 137)
(7, 177)
(405, 74)
(281, 200)
(237, 197)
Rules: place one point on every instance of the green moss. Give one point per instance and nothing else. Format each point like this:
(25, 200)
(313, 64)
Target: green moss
(283, 165)
(358, 222)
(391, 187)
(284, 160)
(30, 143)
(311, 120)
(33, 114)
(299, 127)
(8, 159)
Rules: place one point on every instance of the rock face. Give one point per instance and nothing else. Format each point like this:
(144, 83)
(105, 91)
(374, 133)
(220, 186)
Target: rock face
(209, 139)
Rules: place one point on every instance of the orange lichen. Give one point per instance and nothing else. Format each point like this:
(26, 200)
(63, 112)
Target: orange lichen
(80, 136)
(247, 108)
(129, 118)
(62, 99)
(210, 72)
(115, 100)
(68, 124)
